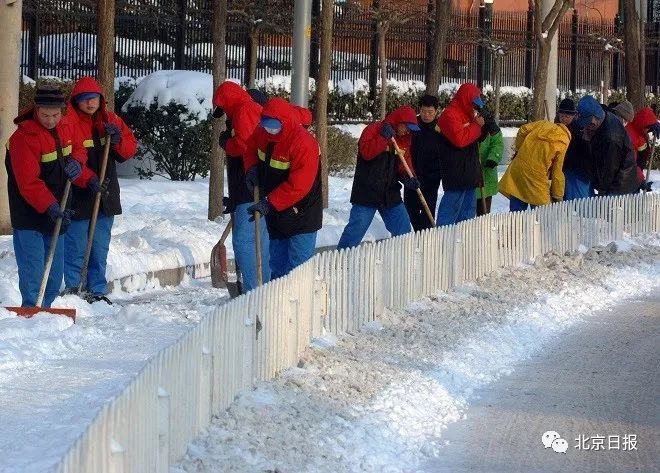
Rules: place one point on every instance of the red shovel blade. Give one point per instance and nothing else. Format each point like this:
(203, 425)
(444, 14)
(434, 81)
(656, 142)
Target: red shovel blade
(219, 273)
(28, 312)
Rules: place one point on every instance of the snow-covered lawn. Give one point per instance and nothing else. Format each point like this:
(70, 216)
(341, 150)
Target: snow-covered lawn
(379, 400)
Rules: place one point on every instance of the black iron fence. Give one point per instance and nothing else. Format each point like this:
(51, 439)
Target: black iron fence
(59, 39)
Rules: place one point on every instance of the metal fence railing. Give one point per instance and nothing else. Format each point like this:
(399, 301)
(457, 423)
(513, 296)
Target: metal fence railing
(59, 40)
(148, 426)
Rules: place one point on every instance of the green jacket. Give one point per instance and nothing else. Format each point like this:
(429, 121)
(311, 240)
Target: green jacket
(490, 149)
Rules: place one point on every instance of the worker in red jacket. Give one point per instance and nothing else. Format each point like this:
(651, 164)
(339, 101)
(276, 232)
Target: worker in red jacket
(41, 155)
(378, 174)
(638, 129)
(243, 115)
(283, 159)
(87, 112)
(460, 169)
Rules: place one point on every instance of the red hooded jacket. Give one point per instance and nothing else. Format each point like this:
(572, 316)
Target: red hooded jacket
(91, 129)
(456, 122)
(378, 169)
(243, 115)
(289, 171)
(36, 178)
(460, 168)
(372, 143)
(637, 131)
(243, 112)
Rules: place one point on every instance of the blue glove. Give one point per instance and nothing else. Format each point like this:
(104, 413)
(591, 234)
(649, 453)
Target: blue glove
(97, 188)
(114, 132)
(72, 169)
(55, 212)
(410, 183)
(387, 131)
(252, 178)
(655, 129)
(263, 207)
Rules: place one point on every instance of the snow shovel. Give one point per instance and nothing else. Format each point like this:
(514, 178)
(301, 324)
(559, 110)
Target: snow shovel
(92, 222)
(257, 239)
(402, 158)
(28, 312)
(648, 166)
(219, 272)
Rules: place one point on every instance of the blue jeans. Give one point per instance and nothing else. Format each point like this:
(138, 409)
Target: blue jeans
(576, 186)
(75, 242)
(517, 205)
(31, 249)
(287, 253)
(456, 206)
(397, 222)
(244, 251)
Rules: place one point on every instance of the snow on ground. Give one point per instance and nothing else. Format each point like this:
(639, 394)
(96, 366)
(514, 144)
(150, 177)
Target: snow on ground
(54, 376)
(379, 400)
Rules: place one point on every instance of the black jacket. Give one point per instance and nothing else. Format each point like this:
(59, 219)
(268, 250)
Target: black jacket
(460, 168)
(577, 155)
(613, 158)
(426, 152)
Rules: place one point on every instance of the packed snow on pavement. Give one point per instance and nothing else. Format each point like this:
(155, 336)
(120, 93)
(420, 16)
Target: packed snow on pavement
(379, 400)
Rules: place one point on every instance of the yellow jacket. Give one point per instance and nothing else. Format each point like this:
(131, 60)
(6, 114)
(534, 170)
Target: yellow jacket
(534, 175)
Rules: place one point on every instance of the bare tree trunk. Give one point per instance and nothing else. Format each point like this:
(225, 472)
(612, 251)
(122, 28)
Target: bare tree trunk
(607, 74)
(440, 28)
(10, 48)
(540, 80)
(634, 88)
(216, 178)
(382, 62)
(498, 83)
(322, 91)
(105, 47)
(254, 52)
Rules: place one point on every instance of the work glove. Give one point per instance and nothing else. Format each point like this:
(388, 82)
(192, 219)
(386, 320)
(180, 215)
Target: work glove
(387, 131)
(55, 212)
(646, 186)
(490, 164)
(224, 137)
(97, 187)
(226, 201)
(72, 169)
(410, 183)
(263, 207)
(655, 129)
(114, 132)
(252, 178)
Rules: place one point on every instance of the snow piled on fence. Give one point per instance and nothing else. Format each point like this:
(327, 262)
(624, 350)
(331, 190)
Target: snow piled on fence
(380, 400)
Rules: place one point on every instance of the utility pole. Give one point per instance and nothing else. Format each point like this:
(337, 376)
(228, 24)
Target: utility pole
(302, 32)
(10, 51)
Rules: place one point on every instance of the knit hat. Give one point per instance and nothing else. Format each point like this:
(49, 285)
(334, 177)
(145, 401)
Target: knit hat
(587, 108)
(567, 106)
(258, 96)
(625, 110)
(51, 97)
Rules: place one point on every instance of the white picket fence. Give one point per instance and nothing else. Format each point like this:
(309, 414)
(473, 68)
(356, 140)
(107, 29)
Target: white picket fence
(250, 339)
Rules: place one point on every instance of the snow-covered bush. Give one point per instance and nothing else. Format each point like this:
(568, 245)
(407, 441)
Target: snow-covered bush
(175, 141)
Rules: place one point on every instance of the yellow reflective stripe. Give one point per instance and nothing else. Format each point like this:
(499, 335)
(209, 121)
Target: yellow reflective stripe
(282, 165)
(279, 164)
(90, 143)
(48, 157)
(642, 148)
